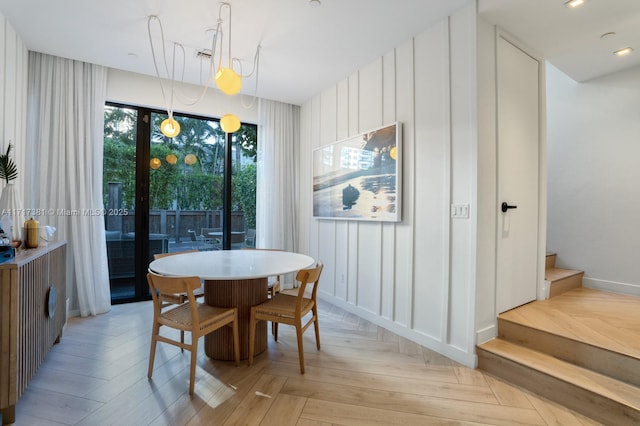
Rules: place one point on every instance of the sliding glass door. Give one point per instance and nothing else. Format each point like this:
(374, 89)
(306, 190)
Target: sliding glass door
(166, 195)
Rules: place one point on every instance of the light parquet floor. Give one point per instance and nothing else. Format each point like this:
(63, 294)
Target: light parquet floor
(603, 319)
(363, 375)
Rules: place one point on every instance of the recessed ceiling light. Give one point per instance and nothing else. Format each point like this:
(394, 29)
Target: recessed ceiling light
(315, 3)
(574, 3)
(607, 35)
(623, 52)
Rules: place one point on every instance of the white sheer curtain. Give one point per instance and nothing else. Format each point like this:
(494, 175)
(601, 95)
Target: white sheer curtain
(277, 192)
(64, 171)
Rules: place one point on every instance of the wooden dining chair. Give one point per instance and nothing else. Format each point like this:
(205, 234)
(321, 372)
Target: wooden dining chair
(273, 284)
(289, 309)
(170, 299)
(197, 318)
(199, 292)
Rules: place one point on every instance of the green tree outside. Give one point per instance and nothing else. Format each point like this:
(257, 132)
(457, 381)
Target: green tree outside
(175, 184)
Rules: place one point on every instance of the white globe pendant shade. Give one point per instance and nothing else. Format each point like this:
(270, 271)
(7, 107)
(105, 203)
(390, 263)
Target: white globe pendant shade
(229, 123)
(171, 159)
(190, 159)
(155, 163)
(170, 127)
(228, 81)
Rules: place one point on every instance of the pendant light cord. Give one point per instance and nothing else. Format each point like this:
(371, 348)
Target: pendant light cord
(217, 41)
(155, 62)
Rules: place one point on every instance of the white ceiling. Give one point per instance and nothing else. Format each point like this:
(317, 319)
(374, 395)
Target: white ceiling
(570, 38)
(306, 49)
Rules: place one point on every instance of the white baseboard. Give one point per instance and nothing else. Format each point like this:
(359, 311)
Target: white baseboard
(486, 334)
(456, 354)
(612, 286)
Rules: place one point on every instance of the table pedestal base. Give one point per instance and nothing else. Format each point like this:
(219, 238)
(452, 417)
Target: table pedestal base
(242, 294)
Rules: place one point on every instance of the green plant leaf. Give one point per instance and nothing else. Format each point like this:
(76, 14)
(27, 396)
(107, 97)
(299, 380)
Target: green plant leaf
(8, 169)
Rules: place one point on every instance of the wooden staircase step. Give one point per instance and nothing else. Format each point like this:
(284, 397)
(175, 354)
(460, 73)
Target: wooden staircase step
(600, 397)
(562, 280)
(597, 318)
(556, 274)
(607, 361)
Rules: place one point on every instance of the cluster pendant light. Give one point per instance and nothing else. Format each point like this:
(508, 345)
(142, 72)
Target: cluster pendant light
(229, 83)
(229, 123)
(190, 159)
(226, 79)
(171, 159)
(170, 127)
(155, 163)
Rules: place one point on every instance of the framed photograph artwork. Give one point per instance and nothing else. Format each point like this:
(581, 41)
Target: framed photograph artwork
(359, 178)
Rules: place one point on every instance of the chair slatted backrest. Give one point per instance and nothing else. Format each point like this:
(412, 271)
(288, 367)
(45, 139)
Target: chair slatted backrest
(308, 277)
(170, 298)
(165, 287)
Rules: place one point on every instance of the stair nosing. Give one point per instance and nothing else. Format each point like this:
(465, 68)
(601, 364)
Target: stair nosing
(569, 273)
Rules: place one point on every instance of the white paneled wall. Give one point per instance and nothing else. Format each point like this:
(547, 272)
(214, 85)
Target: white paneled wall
(415, 277)
(13, 96)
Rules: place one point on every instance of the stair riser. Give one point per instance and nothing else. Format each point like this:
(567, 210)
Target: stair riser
(550, 261)
(564, 285)
(583, 401)
(612, 364)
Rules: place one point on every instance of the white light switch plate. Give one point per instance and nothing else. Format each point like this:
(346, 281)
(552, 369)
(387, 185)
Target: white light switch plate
(460, 211)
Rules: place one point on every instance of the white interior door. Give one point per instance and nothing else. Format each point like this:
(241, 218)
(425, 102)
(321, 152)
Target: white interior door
(518, 183)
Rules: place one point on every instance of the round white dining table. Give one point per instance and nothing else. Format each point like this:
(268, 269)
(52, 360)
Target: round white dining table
(233, 278)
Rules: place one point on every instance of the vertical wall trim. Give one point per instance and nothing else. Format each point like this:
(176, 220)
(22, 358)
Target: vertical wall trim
(380, 224)
(473, 211)
(348, 250)
(356, 226)
(334, 293)
(446, 244)
(395, 225)
(543, 196)
(496, 176)
(3, 73)
(411, 288)
(319, 120)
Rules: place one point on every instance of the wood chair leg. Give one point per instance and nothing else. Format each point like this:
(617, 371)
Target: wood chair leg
(316, 327)
(152, 351)
(181, 339)
(299, 332)
(152, 357)
(275, 331)
(236, 339)
(252, 334)
(194, 359)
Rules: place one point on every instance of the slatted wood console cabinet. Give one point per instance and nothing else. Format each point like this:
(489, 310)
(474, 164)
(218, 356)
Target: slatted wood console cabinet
(28, 326)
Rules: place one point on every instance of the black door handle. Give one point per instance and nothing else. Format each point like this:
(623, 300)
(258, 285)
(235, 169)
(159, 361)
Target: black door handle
(506, 207)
